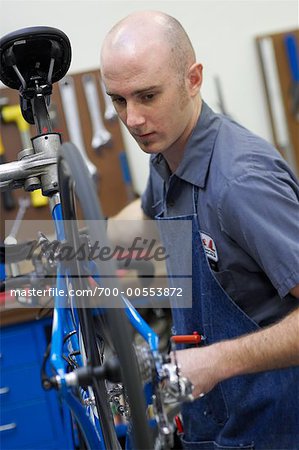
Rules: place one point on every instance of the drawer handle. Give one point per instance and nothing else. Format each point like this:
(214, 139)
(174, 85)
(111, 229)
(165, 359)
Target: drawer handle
(9, 426)
(4, 390)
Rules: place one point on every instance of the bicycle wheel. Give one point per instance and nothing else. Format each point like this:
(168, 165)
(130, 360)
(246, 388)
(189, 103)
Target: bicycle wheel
(74, 181)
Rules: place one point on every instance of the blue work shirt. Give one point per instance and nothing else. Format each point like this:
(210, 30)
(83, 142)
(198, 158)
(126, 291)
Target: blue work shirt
(248, 209)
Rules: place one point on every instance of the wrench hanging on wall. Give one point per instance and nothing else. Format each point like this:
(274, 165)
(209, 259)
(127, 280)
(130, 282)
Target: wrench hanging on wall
(24, 203)
(70, 108)
(11, 238)
(110, 113)
(100, 136)
(220, 98)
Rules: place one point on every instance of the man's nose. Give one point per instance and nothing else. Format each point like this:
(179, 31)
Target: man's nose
(135, 118)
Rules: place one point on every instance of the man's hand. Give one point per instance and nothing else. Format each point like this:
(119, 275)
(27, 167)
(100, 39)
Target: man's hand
(274, 347)
(198, 365)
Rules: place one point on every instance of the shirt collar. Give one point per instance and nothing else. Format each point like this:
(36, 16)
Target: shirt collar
(198, 152)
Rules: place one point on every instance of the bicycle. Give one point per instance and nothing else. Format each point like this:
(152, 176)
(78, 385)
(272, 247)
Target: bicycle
(87, 380)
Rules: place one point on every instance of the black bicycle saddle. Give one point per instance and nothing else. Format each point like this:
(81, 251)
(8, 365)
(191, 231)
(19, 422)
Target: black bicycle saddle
(34, 55)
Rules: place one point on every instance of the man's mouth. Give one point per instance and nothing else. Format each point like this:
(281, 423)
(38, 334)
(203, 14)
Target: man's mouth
(145, 135)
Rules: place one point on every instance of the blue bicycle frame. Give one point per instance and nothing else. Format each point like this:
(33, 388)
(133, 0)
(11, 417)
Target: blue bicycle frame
(63, 324)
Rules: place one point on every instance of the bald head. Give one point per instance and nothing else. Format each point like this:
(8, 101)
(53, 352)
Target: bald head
(143, 30)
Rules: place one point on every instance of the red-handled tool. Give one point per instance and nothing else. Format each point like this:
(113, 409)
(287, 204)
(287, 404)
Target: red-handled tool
(194, 338)
(179, 425)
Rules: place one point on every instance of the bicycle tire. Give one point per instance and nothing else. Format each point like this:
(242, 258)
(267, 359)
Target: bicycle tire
(116, 318)
(87, 331)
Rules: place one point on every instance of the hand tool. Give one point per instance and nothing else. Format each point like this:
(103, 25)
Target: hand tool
(179, 425)
(23, 205)
(100, 136)
(110, 113)
(220, 98)
(11, 238)
(126, 175)
(70, 108)
(194, 338)
(293, 60)
(7, 196)
(12, 113)
(54, 117)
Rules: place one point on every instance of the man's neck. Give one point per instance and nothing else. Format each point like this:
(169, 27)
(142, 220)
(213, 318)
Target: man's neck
(175, 153)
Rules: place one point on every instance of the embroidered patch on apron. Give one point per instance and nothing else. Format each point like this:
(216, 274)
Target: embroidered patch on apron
(209, 247)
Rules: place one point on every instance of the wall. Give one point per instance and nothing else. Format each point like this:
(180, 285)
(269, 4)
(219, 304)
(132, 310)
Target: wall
(222, 32)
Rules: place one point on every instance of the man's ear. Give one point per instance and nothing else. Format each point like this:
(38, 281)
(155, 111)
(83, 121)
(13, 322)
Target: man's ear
(194, 77)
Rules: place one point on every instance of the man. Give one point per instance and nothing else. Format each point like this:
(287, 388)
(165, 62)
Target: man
(242, 200)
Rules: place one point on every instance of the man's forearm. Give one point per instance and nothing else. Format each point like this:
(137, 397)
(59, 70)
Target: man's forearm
(271, 348)
(274, 347)
(127, 224)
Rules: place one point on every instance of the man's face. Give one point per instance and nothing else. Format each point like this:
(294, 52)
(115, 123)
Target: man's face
(150, 99)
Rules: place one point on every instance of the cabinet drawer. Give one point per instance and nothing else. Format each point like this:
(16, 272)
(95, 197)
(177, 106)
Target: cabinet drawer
(17, 347)
(18, 386)
(29, 427)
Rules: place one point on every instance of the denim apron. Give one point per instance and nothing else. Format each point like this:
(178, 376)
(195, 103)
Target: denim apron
(257, 411)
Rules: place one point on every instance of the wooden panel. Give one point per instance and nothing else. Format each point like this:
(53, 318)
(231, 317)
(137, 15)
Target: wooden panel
(111, 187)
(285, 93)
(286, 88)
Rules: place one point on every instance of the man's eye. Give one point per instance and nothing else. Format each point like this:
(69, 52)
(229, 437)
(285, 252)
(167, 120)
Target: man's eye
(118, 100)
(148, 96)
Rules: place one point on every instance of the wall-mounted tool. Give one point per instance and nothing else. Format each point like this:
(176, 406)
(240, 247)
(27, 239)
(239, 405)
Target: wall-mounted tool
(70, 108)
(7, 196)
(54, 117)
(110, 113)
(11, 238)
(13, 114)
(100, 136)
(24, 203)
(292, 52)
(125, 169)
(220, 97)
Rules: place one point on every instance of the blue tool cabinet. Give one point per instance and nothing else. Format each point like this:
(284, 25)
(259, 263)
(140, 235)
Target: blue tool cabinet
(30, 418)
